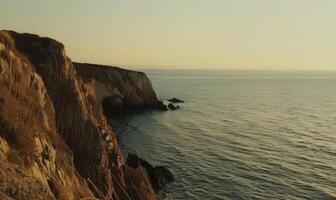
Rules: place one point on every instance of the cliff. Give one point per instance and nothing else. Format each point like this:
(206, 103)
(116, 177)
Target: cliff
(55, 142)
(120, 90)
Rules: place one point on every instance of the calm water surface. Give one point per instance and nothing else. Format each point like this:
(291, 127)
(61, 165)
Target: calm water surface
(241, 134)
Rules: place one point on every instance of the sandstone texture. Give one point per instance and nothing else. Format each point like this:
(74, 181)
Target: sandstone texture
(55, 142)
(120, 90)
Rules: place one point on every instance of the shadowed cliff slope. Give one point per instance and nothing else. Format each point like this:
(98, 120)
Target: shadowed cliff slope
(55, 142)
(120, 90)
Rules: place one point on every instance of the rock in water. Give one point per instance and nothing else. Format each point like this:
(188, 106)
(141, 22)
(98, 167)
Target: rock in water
(159, 175)
(161, 106)
(164, 172)
(173, 107)
(175, 100)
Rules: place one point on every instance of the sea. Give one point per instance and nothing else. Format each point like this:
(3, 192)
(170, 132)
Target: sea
(240, 134)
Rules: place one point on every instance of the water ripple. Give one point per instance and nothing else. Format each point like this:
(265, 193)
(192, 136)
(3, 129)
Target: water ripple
(257, 138)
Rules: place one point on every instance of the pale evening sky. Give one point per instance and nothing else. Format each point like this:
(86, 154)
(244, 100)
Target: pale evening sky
(203, 34)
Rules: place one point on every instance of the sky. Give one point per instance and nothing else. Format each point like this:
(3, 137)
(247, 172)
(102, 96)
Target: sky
(185, 34)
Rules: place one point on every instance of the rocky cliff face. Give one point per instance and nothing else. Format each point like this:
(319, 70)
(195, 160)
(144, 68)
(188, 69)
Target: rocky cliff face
(55, 142)
(120, 90)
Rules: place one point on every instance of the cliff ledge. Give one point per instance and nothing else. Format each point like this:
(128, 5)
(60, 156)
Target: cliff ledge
(120, 90)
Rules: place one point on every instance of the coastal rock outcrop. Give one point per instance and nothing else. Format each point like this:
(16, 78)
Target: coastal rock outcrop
(175, 100)
(120, 90)
(159, 176)
(55, 142)
(173, 107)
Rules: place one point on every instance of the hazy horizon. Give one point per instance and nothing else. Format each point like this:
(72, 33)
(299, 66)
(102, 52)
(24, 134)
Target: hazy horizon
(191, 34)
(225, 68)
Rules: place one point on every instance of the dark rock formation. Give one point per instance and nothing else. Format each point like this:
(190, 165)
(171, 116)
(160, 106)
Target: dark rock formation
(120, 90)
(165, 173)
(53, 133)
(159, 175)
(173, 107)
(175, 100)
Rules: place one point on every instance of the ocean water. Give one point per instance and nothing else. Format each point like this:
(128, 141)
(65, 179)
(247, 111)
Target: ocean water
(240, 134)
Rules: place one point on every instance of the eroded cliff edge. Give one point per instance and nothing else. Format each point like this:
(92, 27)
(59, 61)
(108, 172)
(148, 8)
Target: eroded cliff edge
(55, 142)
(120, 90)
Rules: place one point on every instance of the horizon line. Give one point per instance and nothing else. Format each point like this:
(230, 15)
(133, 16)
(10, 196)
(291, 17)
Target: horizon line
(246, 68)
